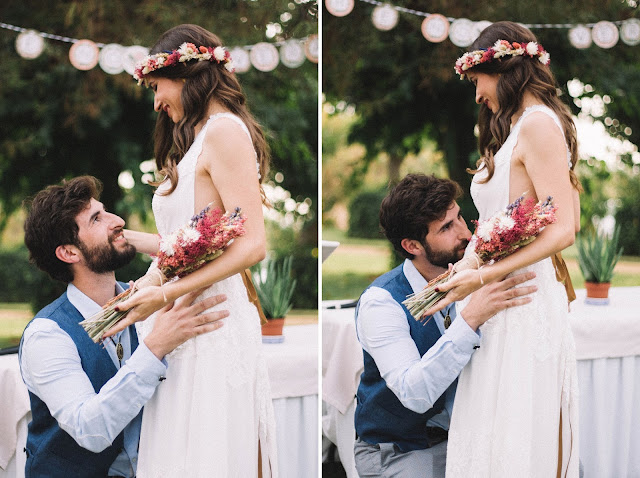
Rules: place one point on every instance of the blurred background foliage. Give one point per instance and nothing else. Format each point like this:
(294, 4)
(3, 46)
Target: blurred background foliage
(393, 105)
(58, 122)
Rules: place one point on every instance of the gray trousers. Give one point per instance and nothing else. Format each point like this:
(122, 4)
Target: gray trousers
(385, 460)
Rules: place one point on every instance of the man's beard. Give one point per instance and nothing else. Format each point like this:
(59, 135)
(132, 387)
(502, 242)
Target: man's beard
(106, 258)
(444, 258)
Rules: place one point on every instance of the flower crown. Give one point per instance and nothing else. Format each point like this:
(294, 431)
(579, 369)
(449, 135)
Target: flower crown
(498, 50)
(186, 52)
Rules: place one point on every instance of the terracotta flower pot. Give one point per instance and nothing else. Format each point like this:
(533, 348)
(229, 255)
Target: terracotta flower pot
(273, 327)
(597, 290)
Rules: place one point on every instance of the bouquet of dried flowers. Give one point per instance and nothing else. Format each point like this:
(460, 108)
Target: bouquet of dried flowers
(495, 238)
(182, 252)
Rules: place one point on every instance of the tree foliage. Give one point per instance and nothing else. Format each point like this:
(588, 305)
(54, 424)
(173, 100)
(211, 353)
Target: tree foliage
(57, 121)
(404, 87)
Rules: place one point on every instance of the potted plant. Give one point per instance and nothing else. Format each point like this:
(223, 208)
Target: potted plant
(275, 291)
(598, 254)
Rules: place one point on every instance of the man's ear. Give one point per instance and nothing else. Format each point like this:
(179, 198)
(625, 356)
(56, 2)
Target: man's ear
(68, 253)
(412, 246)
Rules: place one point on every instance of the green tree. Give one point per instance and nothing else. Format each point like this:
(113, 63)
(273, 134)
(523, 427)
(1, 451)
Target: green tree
(404, 87)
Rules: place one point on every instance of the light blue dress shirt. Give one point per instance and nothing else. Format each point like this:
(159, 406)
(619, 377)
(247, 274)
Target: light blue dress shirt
(417, 381)
(51, 369)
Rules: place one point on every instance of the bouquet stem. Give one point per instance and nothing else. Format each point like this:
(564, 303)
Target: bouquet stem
(422, 301)
(98, 324)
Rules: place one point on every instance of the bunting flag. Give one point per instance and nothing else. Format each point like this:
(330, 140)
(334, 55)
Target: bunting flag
(114, 58)
(462, 31)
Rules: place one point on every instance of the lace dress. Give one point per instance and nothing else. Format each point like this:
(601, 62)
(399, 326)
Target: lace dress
(520, 387)
(206, 418)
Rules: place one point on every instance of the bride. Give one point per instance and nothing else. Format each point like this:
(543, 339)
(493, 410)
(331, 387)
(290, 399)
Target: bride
(515, 412)
(213, 415)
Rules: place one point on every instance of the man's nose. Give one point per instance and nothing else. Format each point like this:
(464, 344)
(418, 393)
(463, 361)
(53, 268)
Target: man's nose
(116, 221)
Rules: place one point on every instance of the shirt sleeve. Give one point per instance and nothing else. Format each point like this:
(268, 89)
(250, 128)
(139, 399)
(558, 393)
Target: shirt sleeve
(52, 370)
(417, 381)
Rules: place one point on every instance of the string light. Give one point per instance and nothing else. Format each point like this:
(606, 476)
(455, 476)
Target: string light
(462, 31)
(114, 58)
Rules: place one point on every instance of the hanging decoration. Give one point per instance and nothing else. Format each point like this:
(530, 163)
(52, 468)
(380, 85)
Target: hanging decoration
(114, 58)
(84, 54)
(311, 49)
(29, 44)
(630, 31)
(462, 31)
(605, 34)
(241, 60)
(111, 58)
(292, 54)
(132, 55)
(435, 28)
(580, 37)
(339, 8)
(384, 17)
(264, 56)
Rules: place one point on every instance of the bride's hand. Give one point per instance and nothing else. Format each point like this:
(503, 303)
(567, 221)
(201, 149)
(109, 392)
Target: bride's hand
(458, 287)
(142, 304)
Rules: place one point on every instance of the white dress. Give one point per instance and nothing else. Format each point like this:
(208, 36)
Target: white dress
(512, 394)
(206, 418)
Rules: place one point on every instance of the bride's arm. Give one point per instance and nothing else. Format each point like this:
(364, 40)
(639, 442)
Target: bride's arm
(144, 242)
(545, 160)
(229, 159)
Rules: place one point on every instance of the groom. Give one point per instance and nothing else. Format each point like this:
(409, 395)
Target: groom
(407, 388)
(86, 398)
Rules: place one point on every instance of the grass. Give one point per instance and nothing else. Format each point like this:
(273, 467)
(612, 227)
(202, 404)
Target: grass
(13, 319)
(15, 316)
(356, 262)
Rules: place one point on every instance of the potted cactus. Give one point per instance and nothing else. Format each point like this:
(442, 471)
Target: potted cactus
(275, 291)
(598, 254)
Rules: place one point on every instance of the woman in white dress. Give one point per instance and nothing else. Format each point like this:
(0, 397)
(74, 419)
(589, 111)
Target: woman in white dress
(213, 415)
(515, 412)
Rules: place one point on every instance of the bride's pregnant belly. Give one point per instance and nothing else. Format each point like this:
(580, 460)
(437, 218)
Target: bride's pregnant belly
(539, 326)
(240, 331)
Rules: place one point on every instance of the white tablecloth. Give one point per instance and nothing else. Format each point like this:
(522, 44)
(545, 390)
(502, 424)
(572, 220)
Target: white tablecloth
(608, 351)
(293, 372)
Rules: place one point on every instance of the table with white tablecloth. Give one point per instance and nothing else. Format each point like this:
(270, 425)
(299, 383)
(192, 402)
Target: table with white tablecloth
(608, 353)
(293, 373)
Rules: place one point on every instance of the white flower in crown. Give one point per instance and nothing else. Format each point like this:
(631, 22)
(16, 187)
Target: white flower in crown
(532, 48)
(229, 66)
(219, 53)
(190, 235)
(545, 58)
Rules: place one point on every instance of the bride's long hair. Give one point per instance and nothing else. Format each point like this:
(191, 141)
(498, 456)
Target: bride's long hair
(517, 75)
(203, 81)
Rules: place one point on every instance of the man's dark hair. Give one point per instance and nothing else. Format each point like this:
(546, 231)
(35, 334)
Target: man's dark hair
(412, 205)
(51, 222)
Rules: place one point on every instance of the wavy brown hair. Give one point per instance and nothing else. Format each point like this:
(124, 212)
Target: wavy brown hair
(51, 222)
(204, 81)
(412, 205)
(517, 75)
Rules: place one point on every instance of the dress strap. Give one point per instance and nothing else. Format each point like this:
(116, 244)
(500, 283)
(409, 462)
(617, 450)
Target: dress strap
(237, 120)
(234, 118)
(549, 112)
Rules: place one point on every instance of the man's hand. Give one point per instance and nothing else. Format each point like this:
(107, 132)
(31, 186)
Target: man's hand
(492, 298)
(181, 320)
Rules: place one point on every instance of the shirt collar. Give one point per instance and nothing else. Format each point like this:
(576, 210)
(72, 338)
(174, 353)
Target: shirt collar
(86, 306)
(416, 281)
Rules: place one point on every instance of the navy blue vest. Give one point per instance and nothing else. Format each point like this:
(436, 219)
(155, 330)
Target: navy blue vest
(380, 417)
(52, 452)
